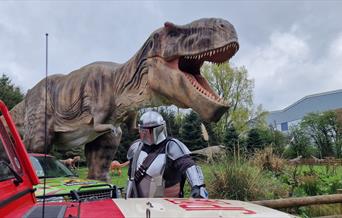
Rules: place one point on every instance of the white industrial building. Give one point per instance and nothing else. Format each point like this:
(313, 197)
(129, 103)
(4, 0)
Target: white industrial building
(291, 115)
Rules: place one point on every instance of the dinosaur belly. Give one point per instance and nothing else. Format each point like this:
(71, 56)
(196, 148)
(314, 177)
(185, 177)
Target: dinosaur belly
(79, 137)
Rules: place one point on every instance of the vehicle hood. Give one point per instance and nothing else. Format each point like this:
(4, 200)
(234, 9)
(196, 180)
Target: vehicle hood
(206, 208)
(63, 185)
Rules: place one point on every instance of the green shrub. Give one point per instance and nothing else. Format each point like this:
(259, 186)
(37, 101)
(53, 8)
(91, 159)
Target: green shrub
(310, 185)
(240, 180)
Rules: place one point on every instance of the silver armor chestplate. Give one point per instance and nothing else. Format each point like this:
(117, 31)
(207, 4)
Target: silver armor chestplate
(153, 183)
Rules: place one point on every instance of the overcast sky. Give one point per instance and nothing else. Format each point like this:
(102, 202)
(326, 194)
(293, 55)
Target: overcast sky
(290, 48)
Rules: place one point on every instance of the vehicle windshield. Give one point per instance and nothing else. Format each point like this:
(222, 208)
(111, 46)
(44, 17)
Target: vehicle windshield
(53, 167)
(5, 172)
(8, 155)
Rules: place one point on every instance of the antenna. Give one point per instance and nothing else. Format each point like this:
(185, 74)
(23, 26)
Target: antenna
(45, 123)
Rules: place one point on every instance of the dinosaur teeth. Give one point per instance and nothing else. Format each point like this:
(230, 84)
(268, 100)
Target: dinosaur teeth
(202, 90)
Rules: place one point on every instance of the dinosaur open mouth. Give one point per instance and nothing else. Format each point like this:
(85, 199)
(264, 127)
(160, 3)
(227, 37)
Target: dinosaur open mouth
(190, 65)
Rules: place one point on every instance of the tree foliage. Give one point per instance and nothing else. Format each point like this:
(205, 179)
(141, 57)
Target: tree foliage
(299, 144)
(317, 134)
(9, 93)
(255, 140)
(190, 132)
(322, 128)
(259, 138)
(173, 123)
(231, 138)
(233, 85)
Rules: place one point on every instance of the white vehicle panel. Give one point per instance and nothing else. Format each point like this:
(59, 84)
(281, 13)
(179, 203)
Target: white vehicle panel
(206, 208)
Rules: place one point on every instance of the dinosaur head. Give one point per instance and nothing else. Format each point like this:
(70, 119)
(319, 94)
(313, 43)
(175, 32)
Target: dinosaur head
(175, 56)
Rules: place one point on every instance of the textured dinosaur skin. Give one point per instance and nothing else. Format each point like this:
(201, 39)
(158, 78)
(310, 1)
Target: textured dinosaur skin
(87, 106)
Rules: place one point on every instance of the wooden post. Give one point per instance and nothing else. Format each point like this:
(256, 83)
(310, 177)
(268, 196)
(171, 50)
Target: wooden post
(302, 201)
(238, 150)
(339, 191)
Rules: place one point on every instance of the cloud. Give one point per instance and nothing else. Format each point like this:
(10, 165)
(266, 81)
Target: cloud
(291, 49)
(335, 49)
(285, 69)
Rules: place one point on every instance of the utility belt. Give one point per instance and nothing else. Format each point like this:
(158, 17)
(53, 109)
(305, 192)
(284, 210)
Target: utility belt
(139, 174)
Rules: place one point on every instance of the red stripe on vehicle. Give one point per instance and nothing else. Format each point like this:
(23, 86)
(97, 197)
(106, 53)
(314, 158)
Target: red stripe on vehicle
(105, 208)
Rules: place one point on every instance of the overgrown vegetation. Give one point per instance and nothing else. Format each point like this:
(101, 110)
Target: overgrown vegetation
(264, 175)
(240, 180)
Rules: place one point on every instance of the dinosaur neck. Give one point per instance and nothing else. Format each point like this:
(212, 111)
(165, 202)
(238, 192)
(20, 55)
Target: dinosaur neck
(134, 92)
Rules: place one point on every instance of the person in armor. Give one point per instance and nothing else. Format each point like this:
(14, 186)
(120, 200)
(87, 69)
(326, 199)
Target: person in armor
(159, 165)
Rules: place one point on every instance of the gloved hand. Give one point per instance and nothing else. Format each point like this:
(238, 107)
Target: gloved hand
(199, 192)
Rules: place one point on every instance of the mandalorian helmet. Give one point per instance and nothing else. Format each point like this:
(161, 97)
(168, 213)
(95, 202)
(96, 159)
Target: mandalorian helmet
(152, 128)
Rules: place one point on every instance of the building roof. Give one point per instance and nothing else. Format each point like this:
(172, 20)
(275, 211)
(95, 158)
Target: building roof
(319, 102)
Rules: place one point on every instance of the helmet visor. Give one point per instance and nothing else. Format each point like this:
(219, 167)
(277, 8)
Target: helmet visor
(149, 135)
(146, 135)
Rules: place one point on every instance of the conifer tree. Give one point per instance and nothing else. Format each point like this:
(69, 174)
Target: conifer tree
(190, 132)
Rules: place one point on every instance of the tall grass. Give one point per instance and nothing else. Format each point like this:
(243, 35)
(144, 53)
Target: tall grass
(266, 160)
(241, 180)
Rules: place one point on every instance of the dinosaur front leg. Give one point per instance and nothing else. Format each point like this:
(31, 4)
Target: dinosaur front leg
(103, 127)
(99, 118)
(99, 126)
(116, 130)
(99, 154)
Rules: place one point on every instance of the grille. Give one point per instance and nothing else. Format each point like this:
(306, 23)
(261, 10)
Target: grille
(85, 193)
(95, 195)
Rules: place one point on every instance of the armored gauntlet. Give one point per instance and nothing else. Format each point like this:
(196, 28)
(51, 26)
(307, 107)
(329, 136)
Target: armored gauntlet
(196, 180)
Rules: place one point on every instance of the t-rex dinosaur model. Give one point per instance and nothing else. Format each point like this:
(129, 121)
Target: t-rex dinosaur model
(116, 166)
(87, 106)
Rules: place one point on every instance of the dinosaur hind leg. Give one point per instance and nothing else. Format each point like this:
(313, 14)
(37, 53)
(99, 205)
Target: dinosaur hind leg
(99, 154)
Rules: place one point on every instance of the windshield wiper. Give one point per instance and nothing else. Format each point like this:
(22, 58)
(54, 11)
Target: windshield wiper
(18, 178)
(69, 175)
(47, 177)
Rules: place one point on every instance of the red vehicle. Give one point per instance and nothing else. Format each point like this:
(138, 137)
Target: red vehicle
(17, 199)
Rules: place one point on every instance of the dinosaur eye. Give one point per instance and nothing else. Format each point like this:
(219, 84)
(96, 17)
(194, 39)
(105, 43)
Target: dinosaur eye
(173, 33)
